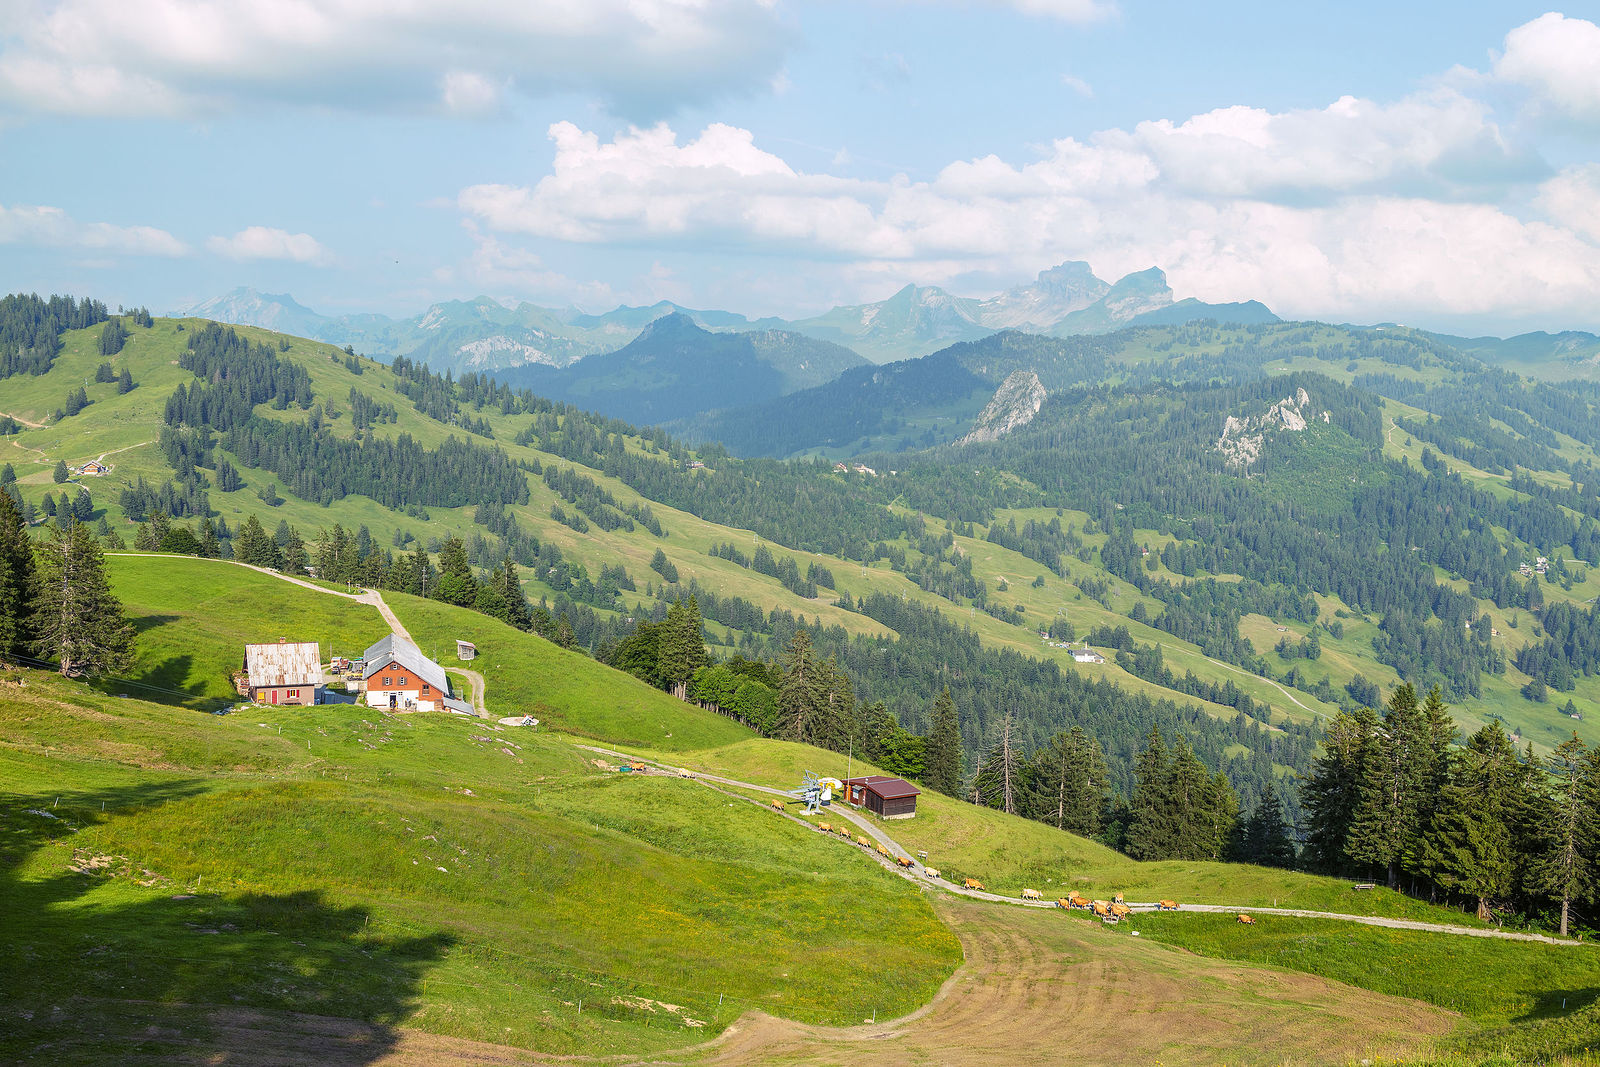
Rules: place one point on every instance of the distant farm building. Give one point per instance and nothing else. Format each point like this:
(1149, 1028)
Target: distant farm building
(1087, 655)
(892, 798)
(466, 649)
(285, 672)
(399, 676)
(94, 466)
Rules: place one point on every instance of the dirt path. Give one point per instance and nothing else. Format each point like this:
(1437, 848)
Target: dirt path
(918, 874)
(366, 596)
(26, 422)
(1269, 681)
(101, 458)
(478, 687)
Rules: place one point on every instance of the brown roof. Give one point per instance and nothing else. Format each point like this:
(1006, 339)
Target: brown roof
(284, 663)
(886, 787)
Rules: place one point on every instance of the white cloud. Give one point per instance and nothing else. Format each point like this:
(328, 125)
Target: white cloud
(266, 242)
(1079, 11)
(1077, 85)
(187, 57)
(51, 227)
(1358, 210)
(1572, 199)
(1558, 60)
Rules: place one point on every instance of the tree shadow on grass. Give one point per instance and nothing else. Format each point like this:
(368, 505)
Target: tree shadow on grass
(109, 962)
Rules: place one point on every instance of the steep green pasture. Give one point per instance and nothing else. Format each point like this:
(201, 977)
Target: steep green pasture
(528, 675)
(428, 871)
(194, 618)
(1008, 854)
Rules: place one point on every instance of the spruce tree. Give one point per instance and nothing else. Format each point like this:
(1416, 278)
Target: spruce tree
(8, 474)
(1563, 870)
(253, 546)
(60, 474)
(456, 584)
(295, 557)
(16, 580)
(1266, 836)
(1331, 794)
(682, 648)
(1151, 833)
(1070, 783)
(77, 621)
(999, 781)
(511, 594)
(209, 546)
(942, 755)
(124, 382)
(800, 696)
(1386, 821)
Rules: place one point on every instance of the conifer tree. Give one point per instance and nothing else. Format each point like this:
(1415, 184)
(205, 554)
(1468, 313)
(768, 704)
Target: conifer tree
(1150, 831)
(60, 473)
(1563, 870)
(456, 583)
(999, 781)
(8, 474)
(681, 649)
(1070, 783)
(801, 694)
(942, 758)
(77, 621)
(1266, 836)
(210, 548)
(253, 546)
(511, 594)
(1386, 821)
(16, 580)
(295, 557)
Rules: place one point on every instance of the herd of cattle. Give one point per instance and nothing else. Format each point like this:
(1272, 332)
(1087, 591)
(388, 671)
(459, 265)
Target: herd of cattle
(1110, 911)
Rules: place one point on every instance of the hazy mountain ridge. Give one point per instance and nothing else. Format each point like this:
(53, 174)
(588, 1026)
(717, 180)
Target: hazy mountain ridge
(484, 335)
(675, 367)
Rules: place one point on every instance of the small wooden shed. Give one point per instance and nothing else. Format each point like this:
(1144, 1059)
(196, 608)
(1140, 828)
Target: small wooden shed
(891, 798)
(466, 649)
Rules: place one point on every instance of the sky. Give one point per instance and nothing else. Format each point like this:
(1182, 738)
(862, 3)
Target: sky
(1433, 164)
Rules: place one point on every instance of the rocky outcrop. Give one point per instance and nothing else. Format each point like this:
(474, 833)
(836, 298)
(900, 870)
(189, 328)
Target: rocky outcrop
(1015, 404)
(1244, 438)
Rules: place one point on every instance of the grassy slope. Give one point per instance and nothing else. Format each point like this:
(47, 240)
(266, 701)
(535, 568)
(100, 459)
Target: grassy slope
(314, 852)
(312, 842)
(1009, 854)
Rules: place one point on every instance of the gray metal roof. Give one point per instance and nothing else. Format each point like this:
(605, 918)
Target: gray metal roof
(283, 663)
(397, 649)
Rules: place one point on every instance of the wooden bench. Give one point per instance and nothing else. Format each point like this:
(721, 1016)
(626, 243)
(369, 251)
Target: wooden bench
(1366, 885)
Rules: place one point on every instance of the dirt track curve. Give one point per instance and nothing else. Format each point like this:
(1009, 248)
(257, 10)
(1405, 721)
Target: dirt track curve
(916, 872)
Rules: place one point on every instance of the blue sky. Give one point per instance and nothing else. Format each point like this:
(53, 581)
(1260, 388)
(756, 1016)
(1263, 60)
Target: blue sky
(1433, 164)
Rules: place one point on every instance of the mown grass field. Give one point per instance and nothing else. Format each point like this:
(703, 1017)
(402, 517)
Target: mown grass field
(1524, 1003)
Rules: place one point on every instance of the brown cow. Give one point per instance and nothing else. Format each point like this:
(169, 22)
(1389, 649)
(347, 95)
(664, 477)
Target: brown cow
(1167, 905)
(972, 883)
(1247, 920)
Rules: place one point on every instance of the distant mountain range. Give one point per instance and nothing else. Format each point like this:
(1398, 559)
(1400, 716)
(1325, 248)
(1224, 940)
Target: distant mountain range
(485, 335)
(675, 368)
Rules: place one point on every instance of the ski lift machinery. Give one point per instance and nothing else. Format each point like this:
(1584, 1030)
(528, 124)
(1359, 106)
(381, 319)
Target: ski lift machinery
(814, 791)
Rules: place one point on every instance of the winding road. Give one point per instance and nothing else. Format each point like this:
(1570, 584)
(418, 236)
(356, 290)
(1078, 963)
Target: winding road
(918, 873)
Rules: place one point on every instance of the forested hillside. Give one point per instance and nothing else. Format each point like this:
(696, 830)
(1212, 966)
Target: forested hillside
(1255, 528)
